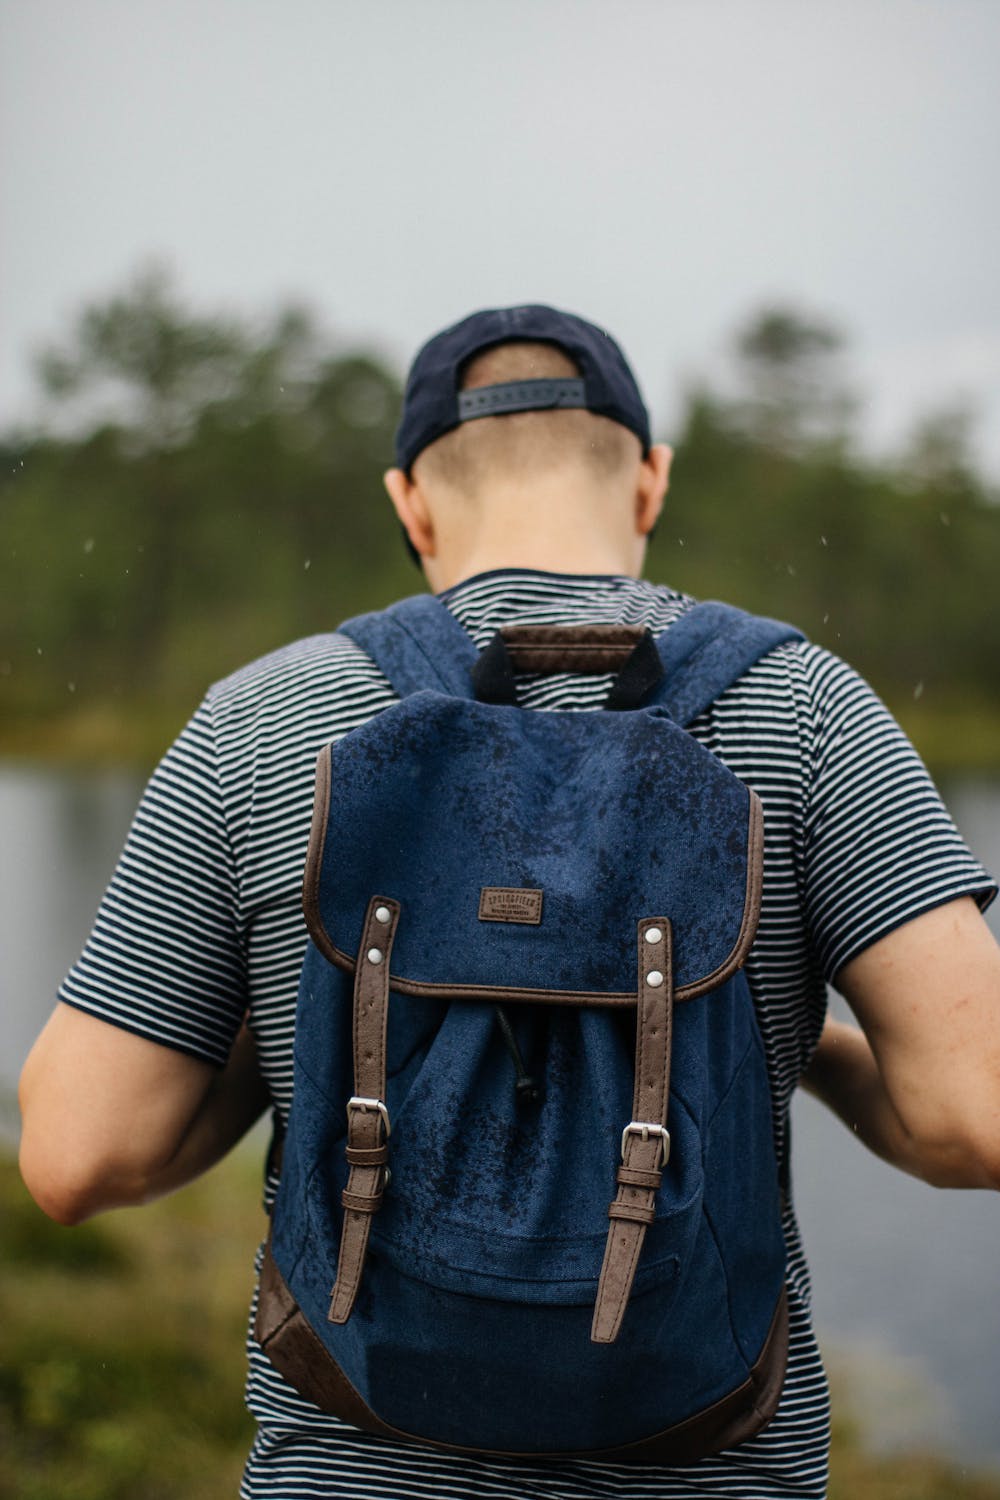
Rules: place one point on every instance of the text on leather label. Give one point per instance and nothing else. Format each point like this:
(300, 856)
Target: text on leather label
(500, 903)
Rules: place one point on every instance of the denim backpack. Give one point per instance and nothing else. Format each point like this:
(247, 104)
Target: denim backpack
(523, 1002)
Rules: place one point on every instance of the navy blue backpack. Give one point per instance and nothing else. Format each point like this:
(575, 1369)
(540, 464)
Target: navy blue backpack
(523, 1002)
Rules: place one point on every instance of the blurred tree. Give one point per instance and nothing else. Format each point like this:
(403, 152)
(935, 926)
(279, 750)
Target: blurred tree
(205, 489)
(793, 394)
(773, 506)
(147, 356)
(225, 492)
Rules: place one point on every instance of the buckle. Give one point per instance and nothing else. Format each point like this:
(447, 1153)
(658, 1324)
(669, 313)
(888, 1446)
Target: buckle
(357, 1102)
(641, 1127)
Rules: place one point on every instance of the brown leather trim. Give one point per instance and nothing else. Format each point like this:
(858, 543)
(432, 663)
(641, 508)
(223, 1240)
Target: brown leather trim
(299, 1354)
(634, 1205)
(294, 1350)
(314, 853)
(570, 648)
(502, 994)
(367, 1116)
(751, 909)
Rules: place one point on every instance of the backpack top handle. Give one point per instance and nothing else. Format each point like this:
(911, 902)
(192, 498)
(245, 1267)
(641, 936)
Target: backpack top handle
(418, 643)
(628, 650)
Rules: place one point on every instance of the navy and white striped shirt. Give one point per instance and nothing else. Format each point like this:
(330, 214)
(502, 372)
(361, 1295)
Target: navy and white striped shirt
(203, 919)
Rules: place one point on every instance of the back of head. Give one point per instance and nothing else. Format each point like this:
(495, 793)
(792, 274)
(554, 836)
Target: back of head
(524, 441)
(519, 447)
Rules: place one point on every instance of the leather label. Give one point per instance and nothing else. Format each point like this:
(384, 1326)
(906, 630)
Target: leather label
(500, 903)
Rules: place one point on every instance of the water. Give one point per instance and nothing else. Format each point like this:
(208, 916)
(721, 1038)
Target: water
(905, 1277)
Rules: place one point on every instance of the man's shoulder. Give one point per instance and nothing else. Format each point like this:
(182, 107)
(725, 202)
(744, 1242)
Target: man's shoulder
(312, 668)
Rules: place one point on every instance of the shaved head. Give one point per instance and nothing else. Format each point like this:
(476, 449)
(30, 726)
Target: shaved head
(518, 447)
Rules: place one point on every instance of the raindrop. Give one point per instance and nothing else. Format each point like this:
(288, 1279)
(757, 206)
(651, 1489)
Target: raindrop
(918, 691)
(39, 650)
(88, 545)
(308, 563)
(71, 686)
(823, 541)
(945, 518)
(826, 618)
(792, 572)
(680, 541)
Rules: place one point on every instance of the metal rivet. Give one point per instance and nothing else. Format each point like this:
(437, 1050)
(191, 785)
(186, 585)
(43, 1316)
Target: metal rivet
(654, 979)
(653, 935)
(383, 914)
(375, 956)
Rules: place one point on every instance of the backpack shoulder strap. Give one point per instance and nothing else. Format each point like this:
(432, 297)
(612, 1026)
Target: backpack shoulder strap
(707, 650)
(416, 643)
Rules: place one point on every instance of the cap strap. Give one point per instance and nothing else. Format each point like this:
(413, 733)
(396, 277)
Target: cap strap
(519, 395)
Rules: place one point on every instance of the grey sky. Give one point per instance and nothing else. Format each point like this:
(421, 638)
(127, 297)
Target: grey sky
(663, 167)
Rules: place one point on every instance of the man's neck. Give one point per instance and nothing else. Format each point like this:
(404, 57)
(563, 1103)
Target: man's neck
(561, 552)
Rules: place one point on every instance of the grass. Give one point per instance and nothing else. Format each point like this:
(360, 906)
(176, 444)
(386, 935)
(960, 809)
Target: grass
(954, 739)
(121, 1372)
(121, 1360)
(132, 735)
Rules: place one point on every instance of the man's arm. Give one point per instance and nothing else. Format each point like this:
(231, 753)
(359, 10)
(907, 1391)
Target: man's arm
(920, 1084)
(111, 1119)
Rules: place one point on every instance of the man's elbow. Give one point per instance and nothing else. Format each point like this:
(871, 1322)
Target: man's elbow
(69, 1187)
(967, 1158)
(61, 1196)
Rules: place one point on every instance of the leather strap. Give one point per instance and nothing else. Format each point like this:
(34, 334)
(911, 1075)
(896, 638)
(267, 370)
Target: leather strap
(367, 1116)
(628, 650)
(645, 1142)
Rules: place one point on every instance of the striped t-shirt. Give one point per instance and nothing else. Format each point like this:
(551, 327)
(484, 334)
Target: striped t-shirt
(202, 920)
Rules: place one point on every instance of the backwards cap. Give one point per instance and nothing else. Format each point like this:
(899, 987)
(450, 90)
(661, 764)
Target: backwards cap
(433, 403)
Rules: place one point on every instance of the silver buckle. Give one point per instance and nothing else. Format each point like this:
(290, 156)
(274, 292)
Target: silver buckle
(641, 1127)
(357, 1102)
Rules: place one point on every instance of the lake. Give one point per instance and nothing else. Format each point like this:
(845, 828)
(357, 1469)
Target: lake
(905, 1277)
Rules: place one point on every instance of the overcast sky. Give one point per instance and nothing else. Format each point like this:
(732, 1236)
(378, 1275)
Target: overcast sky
(662, 166)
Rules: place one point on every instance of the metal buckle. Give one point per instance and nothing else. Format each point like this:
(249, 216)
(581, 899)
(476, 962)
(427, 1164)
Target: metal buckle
(641, 1127)
(356, 1102)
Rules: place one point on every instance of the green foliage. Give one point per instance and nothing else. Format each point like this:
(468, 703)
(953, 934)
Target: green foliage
(856, 1474)
(233, 501)
(29, 1239)
(892, 566)
(206, 490)
(121, 1371)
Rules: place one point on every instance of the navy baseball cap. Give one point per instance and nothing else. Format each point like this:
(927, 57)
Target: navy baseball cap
(433, 403)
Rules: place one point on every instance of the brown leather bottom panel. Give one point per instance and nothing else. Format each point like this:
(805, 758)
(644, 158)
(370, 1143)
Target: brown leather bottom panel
(296, 1351)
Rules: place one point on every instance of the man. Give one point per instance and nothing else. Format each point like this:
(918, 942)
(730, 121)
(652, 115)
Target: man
(524, 504)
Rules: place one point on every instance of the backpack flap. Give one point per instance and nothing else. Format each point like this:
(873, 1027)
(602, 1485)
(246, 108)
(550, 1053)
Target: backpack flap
(571, 828)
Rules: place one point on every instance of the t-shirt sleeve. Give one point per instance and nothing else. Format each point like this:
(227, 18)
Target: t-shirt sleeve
(166, 956)
(880, 847)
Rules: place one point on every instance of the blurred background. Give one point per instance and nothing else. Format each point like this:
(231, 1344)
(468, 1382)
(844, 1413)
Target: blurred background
(225, 229)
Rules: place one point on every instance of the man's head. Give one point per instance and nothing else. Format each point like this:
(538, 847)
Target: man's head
(524, 441)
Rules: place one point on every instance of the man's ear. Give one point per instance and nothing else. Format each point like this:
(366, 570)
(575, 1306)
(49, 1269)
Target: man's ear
(411, 507)
(654, 478)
